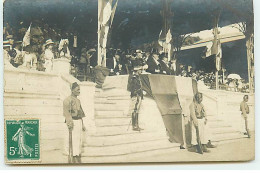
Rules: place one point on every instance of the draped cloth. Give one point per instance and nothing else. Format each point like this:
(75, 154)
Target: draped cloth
(100, 75)
(163, 89)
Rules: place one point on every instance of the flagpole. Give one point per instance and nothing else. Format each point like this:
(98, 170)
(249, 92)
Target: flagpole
(216, 37)
(98, 47)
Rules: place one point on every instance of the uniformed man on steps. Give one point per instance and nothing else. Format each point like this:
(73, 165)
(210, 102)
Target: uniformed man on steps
(73, 114)
(244, 112)
(136, 97)
(199, 120)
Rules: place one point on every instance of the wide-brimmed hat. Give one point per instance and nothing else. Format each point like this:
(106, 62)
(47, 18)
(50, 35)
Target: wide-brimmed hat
(139, 51)
(49, 41)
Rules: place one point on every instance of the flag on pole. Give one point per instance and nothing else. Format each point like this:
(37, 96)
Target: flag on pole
(27, 36)
(113, 13)
(213, 48)
(218, 56)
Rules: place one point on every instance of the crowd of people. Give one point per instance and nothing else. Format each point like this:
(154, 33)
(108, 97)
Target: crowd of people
(47, 44)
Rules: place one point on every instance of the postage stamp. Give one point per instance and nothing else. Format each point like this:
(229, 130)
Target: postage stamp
(22, 140)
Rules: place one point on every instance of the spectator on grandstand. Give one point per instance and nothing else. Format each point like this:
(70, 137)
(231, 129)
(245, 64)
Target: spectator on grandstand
(153, 63)
(48, 55)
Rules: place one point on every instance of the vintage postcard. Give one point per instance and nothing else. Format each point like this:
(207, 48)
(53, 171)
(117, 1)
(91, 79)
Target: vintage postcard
(120, 81)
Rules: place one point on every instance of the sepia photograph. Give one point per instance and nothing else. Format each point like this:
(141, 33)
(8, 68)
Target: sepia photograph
(128, 81)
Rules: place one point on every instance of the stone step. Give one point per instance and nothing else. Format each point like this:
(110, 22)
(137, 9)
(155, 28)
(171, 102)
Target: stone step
(56, 118)
(97, 102)
(25, 94)
(126, 149)
(35, 110)
(108, 100)
(52, 144)
(53, 126)
(113, 92)
(53, 134)
(25, 101)
(119, 98)
(109, 107)
(112, 122)
(120, 133)
(113, 130)
(124, 139)
(109, 114)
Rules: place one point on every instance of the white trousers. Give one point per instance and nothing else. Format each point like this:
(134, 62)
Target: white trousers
(242, 124)
(76, 138)
(202, 132)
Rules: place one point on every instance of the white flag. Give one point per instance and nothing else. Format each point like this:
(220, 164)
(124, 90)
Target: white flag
(208, 49)
(168, 37)
(27, 36)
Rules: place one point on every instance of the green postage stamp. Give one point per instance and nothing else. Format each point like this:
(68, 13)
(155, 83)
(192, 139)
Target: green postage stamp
(22, 140)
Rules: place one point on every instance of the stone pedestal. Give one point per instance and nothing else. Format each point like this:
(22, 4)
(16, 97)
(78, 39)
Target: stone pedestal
(61, 65)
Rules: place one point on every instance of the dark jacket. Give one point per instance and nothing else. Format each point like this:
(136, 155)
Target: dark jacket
(166, 69)
(135, 86)
(152, 66)
(111, 65)
(93, 60)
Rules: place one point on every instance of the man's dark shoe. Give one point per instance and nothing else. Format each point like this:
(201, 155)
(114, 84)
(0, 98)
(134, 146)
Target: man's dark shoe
(139, 129)
(204, 148)
(192, 149)
(199, 149)
(182, 147)
(210, 145)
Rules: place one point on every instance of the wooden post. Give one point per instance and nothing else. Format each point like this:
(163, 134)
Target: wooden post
(250, 58)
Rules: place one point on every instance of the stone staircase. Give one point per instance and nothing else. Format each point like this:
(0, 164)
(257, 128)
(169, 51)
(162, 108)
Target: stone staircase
(226, 122)
(44, 106)
(114, 138)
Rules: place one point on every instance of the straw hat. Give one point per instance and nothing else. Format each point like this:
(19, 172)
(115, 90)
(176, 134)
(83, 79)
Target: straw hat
(49, 41)
(139, 51)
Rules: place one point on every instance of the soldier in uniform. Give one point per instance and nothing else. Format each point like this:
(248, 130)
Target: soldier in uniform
(244, 112)
(199, 121)
(73, 114)
(135, 88)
